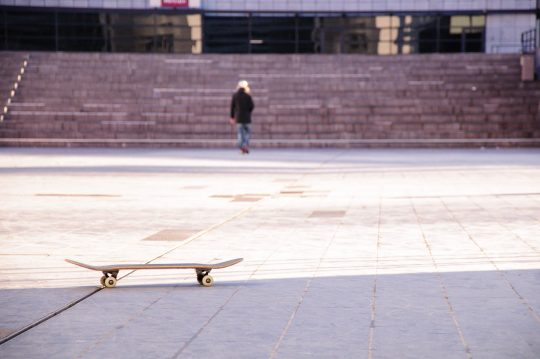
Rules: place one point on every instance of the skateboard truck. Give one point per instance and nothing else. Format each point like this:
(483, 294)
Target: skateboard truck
(109, 279)
(204, 277)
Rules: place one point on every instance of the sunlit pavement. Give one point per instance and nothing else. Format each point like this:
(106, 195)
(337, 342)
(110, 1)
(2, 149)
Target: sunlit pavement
(347, 253)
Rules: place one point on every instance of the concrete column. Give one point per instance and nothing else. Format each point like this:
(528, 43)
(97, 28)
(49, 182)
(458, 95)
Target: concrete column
(527, 67)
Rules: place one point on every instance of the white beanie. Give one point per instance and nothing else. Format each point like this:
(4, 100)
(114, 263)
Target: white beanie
(243, 84)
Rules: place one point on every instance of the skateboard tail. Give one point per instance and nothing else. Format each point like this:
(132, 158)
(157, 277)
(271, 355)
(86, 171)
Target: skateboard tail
(84, 265)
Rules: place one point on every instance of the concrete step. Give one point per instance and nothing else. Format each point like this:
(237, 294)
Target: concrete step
(141, 96)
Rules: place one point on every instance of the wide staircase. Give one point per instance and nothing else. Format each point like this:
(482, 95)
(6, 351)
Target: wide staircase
(76, 99)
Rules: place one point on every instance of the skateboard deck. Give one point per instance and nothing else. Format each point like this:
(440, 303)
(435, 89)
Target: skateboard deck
(110, 272)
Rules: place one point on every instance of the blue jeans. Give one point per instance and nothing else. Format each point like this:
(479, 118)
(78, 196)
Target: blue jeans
(243, 131)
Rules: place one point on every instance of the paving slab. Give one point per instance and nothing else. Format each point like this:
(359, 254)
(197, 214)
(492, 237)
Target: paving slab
(348, 253)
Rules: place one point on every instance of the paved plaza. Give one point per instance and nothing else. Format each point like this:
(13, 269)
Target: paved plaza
(348, 253)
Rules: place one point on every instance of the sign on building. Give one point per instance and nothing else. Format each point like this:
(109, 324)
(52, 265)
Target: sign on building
(175, 3)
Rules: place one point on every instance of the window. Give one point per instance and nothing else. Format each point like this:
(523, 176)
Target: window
(28, 30)
(258, 34)
(273, 34)
(101, 31)
(183, 32)
(226, 34)
(377, 35)
(81, 32)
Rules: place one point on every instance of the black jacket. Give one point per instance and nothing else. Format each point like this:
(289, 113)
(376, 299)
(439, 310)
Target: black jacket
(241, 106)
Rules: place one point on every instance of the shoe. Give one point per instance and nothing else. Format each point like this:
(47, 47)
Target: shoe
(244, 150)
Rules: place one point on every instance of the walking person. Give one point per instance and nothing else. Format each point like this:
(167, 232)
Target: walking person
(241, 108)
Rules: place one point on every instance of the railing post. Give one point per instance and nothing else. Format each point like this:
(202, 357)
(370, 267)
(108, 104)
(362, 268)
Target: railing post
(538, 32)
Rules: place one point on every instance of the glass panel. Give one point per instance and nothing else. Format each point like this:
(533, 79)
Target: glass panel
(388, 34)
(273, 34)
(155, 33)
(474, 42)
(30, 30)
(458, 23)
(3, 26)
(131, 33)
(465, 23)
(306, 35)
(182, 31)
(450, 45)
(273, 27)
(195, 23)
(349, 35)
(123, 31)
(478, 21)
(383, 35)
(82, 44)
(226, 34)
(81, 32)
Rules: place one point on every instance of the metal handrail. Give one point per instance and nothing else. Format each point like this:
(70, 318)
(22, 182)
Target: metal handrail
(14, 89)
(528, 41)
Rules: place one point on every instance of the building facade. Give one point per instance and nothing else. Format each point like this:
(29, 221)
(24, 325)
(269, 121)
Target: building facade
(376, 27)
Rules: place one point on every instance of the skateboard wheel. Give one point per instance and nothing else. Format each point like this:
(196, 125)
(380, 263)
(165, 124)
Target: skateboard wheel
(110, 282)
(207, 280)
(102, 281)
(199, 278)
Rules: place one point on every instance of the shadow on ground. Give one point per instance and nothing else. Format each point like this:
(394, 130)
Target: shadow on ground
(487, 314)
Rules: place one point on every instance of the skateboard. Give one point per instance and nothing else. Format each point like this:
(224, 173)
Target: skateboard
(110, 272)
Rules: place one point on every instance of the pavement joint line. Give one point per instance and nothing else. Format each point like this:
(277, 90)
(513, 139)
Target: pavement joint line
(197, 235)
(292, 184)
(220, 309)
(267, 259)
(283, 276)
(77, 301)
(442, 286)
(196, 335)
(374, 291)
(530, 197)
(48, 316)
(496, 195)
(107, 335)
(518, 237)
(201, 233)
(533, 312)
(304, 292)
(292, 317)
